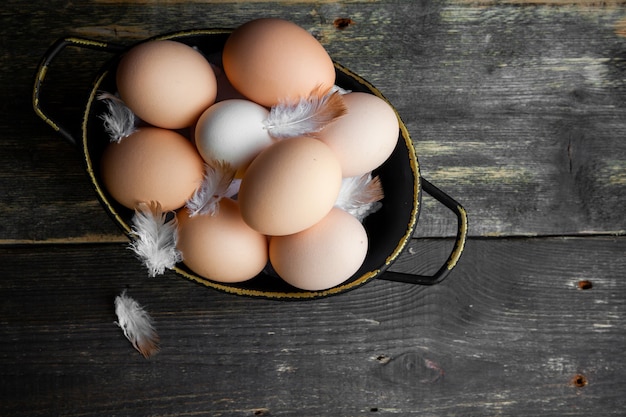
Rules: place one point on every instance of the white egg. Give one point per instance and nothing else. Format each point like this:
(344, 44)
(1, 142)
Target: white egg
(232, 131)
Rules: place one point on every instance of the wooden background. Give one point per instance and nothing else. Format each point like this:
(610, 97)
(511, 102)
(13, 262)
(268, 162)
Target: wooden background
(517, 109)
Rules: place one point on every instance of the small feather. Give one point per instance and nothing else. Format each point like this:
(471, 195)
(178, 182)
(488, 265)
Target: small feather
(218, 178)
(340, 90)
(233, 188)
(155, 238)
(137, 325)
(360, 195)
(120, 121)
(306, 116)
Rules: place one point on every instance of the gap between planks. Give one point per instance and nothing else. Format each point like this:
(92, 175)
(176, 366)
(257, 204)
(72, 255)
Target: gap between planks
(107, 239)
(87, 239)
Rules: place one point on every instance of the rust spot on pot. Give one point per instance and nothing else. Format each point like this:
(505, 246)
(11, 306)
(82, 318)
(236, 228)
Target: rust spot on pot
(585, 284)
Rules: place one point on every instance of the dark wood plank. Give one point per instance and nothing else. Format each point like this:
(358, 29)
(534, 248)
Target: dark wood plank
(510, 332)
(516, 108)
(518, 112)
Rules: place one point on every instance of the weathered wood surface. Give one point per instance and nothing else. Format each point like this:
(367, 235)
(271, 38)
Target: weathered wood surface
(517, 109)
(518, 112)
(505, 335)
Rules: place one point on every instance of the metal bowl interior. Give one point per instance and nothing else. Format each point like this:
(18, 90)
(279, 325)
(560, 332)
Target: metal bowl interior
(389, 229)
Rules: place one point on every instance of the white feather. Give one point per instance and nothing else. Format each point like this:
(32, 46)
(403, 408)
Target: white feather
(120, 121)
(340, 90)
(360, 195)
(233, 188)
(155, 238)
(215, 185)
(306, 116)
(137, 325)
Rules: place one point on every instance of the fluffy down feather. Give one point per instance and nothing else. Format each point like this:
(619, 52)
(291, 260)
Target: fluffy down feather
(120, 121)
(218, 178)
(305, 117)
(360, 196)
(137, 325)
(154, 238)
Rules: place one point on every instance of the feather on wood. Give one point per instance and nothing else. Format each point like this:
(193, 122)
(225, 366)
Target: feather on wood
(136, 324)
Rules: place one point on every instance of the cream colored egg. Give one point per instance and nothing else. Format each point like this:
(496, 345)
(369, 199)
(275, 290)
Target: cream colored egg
(221, 247)
(232, 131)
(290, 186)
(322, 256)
(365, 136)
(152, 164)
(166, 83)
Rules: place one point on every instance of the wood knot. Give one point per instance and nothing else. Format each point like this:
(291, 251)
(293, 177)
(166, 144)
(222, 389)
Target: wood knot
(383, 359)
(579, 380)
(343, 22)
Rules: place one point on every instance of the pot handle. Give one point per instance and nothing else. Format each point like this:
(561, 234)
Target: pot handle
(44, 65)
(461, 236)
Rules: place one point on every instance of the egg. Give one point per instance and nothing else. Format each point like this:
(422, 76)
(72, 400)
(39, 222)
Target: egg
(269, 59)
(365, 136)
(232, 131)
(221, 247)
(166, 83)
(322, 256)
(152, 164)
(289, 186)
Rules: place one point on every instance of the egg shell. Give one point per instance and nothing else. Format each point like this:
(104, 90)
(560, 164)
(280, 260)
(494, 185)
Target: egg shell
(289, 186)
(269, 59)
(365, 136)
(322, 256)
(232, 131)
(166, 83)
(221, 247)
(152, 164)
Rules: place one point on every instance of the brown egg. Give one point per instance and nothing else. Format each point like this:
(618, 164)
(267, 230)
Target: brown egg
(289, 186)
(166, 83)
(152, 164)
(365, 136)
(269, 59)
(322, 256)
(221, 247)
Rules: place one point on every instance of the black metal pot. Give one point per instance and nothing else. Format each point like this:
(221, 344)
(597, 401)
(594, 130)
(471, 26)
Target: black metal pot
(389, 229)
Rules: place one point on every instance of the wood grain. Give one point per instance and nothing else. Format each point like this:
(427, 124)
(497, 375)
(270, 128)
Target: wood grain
(517, 112)
(516, 108)
(496, 338)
